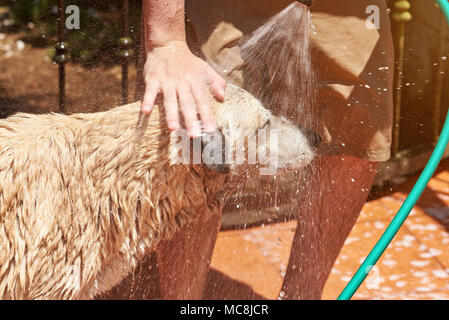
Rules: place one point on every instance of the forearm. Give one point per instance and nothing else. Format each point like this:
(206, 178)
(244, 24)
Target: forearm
(163, 22)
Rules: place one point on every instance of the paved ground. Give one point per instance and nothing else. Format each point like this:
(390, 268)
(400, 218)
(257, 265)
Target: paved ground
(251, 263)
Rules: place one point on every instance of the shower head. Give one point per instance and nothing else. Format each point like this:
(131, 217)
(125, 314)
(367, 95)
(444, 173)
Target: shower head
(306, 2)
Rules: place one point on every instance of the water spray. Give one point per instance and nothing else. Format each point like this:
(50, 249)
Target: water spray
(408, 204)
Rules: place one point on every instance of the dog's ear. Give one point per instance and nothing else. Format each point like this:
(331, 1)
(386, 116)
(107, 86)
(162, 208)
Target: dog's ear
(213, 152)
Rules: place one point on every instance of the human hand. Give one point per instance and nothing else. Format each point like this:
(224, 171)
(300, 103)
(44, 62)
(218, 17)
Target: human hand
(185, 82)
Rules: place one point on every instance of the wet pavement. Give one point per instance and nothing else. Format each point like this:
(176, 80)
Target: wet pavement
(251, 263)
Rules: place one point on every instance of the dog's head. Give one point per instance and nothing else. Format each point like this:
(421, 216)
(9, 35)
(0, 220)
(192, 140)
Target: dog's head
(248, 134)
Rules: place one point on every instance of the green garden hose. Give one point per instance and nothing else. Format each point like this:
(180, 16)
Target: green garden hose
(408, 204)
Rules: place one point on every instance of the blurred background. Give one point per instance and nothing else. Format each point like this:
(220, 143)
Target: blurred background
(94, 68)
(93, 59)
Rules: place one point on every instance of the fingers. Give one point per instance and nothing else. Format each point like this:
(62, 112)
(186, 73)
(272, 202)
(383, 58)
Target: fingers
(189, 111)
(216, 84)
(151, 92)
(190, 95)
(193, 99)
(171, 108)
(202, 99)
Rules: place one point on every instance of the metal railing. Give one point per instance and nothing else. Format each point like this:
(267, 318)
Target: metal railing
(125, 53)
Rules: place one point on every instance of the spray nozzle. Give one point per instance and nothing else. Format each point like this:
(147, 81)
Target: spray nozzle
(306, 2)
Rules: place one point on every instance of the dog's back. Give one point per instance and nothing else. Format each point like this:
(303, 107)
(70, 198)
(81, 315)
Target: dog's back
(57, 175)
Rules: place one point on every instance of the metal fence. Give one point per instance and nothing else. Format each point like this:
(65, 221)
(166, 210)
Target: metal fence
(62, 55)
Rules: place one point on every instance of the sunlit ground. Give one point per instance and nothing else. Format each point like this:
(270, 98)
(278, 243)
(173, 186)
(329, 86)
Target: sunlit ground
(252, 263)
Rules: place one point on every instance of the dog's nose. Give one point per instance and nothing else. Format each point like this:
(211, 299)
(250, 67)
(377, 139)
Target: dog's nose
(314, 139)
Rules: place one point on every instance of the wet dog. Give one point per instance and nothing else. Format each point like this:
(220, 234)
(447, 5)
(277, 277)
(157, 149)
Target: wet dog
(84, 197)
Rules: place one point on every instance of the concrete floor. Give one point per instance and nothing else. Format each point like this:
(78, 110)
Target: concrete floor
(251, 263)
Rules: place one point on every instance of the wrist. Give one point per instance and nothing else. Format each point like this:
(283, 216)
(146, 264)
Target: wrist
(163, 23)
(171, 42)
(162, 37)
